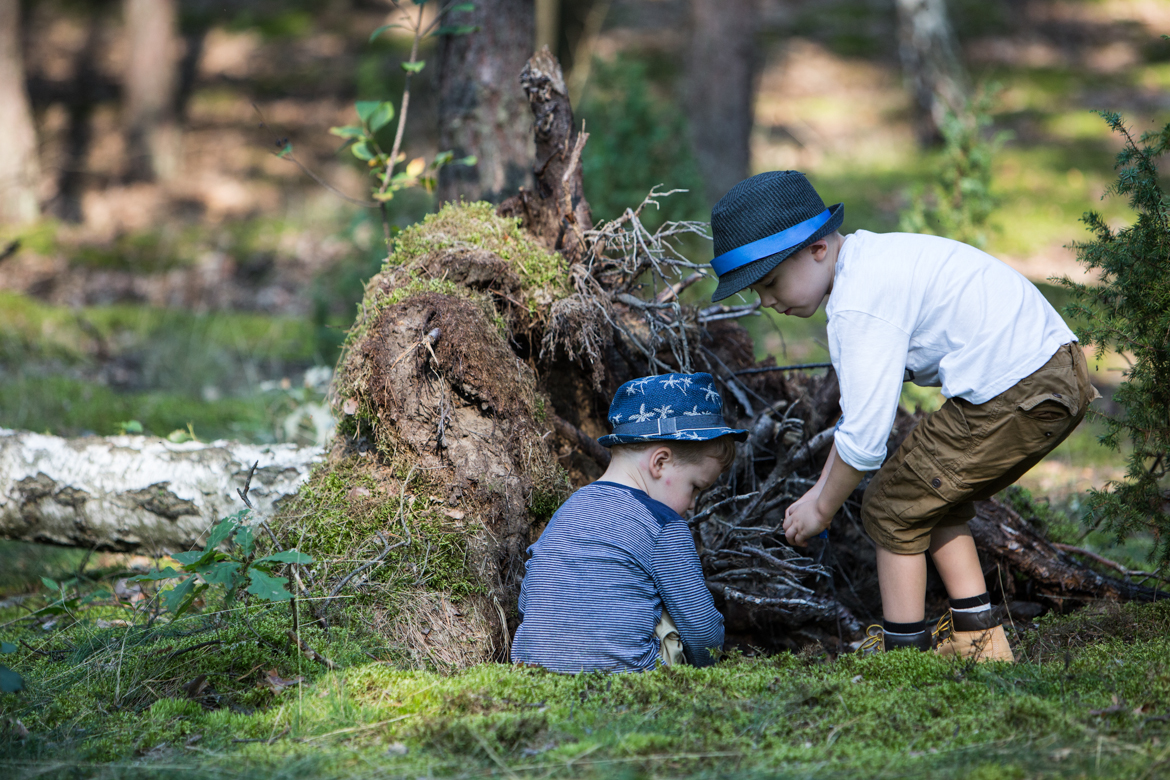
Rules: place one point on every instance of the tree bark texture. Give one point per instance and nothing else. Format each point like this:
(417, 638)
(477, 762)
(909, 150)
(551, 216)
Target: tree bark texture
(556, 211)
(151, 81)
(126, 493)
(1006, 541)
(931, 65)
(19, 171)
(481, 105)
(720, 90)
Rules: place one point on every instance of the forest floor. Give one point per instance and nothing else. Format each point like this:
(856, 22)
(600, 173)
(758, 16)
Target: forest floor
(226, 696)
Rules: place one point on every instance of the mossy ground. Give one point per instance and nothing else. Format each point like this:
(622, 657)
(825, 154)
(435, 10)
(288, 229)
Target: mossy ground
(339, 513)
(1088, 699)
(476, 226)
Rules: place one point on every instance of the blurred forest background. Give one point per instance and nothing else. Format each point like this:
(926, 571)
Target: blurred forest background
(165, 266)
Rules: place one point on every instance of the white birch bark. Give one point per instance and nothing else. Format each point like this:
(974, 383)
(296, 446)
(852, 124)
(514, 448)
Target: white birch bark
(136, 492)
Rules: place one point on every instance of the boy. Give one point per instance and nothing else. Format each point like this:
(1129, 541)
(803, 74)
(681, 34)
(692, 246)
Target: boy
(617, 561)
(935, 312)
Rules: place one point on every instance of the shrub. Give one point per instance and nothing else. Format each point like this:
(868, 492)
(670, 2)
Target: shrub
(1129, 310)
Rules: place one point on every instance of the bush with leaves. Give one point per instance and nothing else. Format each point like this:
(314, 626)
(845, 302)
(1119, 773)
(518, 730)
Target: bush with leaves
(1129, 311)
(200, 569)
(959, 202)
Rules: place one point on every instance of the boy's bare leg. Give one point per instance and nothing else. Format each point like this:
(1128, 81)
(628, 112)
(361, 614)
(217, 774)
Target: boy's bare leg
(953, 550)
(957, 560)
(902, 581)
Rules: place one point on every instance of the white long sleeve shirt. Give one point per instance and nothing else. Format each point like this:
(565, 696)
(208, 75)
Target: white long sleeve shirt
(937, 312)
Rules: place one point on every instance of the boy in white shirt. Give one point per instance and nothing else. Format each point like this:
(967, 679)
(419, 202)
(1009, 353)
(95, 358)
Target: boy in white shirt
(935, 312)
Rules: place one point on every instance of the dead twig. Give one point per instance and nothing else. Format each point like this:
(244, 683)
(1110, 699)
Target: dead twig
(1068, 548)
(309, 652)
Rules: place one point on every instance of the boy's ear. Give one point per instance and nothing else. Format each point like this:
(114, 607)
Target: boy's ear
(819, 249)
(659, 457)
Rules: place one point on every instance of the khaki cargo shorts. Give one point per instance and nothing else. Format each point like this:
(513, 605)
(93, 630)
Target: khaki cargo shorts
(968, 452)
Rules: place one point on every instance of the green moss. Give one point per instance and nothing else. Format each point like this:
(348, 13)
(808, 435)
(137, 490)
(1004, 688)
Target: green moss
(477, 226)
(1080, 711)
(418, 285)
(340, 512)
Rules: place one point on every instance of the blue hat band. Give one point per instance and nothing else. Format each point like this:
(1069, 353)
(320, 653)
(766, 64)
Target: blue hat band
(770, 245)
(665, 425)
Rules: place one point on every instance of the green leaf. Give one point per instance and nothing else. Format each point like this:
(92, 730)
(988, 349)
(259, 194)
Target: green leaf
(173, 599)
(366, 108)
(51, 584)
(457, 29)
(168, 573)
(441, 159)
(267, 587)
(188, 558)
(6, 648)
(129, 426)
(374, 35)
(245, 538)
(381, 116)
(288, 556)
(10, 681)
(461, 7)
(414, 67)
(222, 573)
(362, 151)
(470, 159)
(220, 533)
(349, 131)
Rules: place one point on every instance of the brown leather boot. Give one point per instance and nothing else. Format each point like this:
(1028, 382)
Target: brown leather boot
(977, 635)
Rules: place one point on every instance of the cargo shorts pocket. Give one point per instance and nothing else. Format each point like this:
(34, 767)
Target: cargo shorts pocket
(921, 490)
(1049, 407)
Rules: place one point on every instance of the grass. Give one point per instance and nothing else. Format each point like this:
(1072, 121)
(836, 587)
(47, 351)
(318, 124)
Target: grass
(1086, 700)
(32, 329)
(70, 407)
(72, 371)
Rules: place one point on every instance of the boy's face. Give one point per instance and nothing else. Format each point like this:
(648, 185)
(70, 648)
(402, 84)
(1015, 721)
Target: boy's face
(799, 284)
(679, 484)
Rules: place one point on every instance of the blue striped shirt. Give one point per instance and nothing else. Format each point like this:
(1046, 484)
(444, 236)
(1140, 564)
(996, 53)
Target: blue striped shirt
(597, 581)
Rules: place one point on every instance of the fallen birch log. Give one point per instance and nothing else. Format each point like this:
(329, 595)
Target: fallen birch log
(125, 493)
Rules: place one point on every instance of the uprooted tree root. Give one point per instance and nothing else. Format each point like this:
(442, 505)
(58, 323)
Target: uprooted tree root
(474, 384)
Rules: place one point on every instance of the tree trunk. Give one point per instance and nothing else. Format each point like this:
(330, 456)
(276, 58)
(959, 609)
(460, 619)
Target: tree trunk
(556, 211)
(720, 90)
(931, 66)
(19, 171)
(150, 83)
(481, 106)
(135, 492)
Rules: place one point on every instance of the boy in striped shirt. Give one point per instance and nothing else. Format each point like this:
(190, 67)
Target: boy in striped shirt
(614, 583)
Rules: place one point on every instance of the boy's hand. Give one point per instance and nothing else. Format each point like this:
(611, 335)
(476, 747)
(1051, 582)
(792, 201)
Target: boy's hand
(803, 520)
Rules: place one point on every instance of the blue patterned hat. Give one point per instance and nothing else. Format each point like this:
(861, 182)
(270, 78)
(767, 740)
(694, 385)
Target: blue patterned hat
(670, 407)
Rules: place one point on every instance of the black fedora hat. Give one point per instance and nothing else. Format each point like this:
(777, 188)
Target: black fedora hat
(762, 221)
